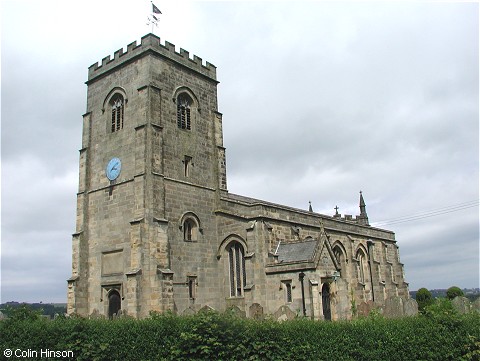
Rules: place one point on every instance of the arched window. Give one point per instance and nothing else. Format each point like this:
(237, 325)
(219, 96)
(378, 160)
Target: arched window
(236, 263)
(288, 291)
(189, 224)
(192, 287)
(184, 103)
(114, 303)
(117, 103)
(340, 257)
(187, 165)
(361, 266)
(190, 229)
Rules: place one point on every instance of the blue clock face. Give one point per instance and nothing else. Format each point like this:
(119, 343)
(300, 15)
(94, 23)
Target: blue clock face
(113, 168)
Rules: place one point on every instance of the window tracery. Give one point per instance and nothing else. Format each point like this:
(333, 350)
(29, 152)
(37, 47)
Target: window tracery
(236, 261)
(117, 103)
(184, 104)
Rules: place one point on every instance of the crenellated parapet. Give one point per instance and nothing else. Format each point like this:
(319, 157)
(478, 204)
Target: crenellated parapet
(150, 44)
(362, 219)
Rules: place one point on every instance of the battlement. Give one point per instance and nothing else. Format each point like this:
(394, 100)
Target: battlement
(150, 43)
(349, 218)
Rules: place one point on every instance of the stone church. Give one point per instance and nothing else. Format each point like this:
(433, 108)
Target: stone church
(158, 230)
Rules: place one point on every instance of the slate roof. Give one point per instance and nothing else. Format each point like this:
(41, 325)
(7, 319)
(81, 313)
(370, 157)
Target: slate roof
(295, 252)
(254, 201)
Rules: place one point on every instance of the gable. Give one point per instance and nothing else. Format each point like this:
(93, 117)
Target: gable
(326, 261)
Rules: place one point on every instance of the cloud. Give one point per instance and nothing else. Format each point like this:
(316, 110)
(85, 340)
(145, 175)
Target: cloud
(38, 217)
(320, 100)
(444, 252)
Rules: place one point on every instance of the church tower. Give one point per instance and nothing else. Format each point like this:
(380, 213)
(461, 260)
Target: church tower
(157, 230)
(152, 145)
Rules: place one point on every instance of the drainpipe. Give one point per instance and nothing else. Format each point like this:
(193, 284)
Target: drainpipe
(301, 276)
(369, 246)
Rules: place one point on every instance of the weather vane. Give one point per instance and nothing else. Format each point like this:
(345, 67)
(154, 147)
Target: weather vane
(154, 18)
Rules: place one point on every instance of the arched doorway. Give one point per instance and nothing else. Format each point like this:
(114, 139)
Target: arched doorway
(114, 303)
(327, 314)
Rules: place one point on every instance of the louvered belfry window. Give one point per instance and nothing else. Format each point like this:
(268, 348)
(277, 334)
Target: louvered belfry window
(184, 120)
(236, 260)
(117, 104)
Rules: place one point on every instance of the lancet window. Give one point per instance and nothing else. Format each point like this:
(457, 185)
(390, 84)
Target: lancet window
(117, 103)
(288, 291)
(361, 267)
(236, 260)
(184, 103)
(192, 287)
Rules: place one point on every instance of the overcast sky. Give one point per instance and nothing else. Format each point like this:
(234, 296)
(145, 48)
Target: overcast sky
(319, 99)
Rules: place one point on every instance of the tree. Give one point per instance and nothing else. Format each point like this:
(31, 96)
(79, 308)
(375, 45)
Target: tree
(453, 292)
(424, 298)
(23, 313)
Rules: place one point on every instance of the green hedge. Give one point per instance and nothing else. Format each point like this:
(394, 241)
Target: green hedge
(213, 336)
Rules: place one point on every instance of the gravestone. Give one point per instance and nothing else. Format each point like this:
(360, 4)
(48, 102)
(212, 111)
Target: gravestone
(236, 311)
(461, 304)
(188, 311)
(206, 309)
(364, 308)
(476, 305)
(393, 307)
(284, 313)
(95, 314)
(410, 307)
(256, 311)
